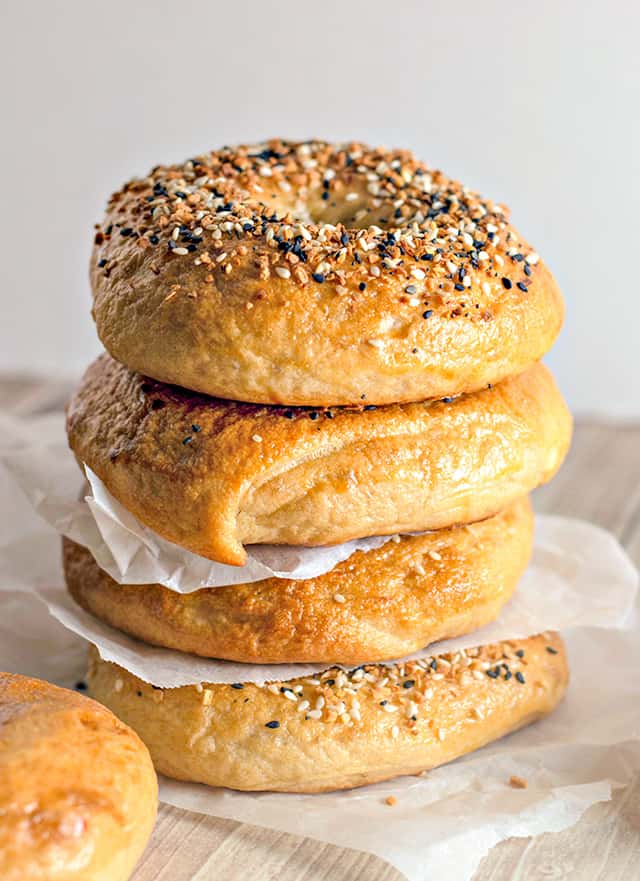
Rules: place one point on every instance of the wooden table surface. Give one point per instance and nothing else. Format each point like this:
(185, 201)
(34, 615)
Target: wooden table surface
(600, 482)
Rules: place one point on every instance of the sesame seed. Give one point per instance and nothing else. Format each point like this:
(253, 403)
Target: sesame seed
(339, 598)
(220, 202)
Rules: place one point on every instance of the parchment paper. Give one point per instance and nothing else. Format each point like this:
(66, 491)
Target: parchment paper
(445, 822)
(41, 463)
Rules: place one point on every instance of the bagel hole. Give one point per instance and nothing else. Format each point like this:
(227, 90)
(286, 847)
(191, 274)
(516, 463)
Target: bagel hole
(350, 207)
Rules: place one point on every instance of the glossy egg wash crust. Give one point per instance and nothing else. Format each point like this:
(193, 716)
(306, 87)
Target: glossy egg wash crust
(213, 475)
(78, 793)
(376, 605)
(308, 273)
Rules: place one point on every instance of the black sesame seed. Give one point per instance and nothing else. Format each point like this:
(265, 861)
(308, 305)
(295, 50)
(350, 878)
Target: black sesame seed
(273, 724)
(81, 686)
(411, 289)
(362, 286)
(154, 240)
(506, 283)
(551, 650)
(520, 677)
(102, 263)
(314, 415)
(522, 286)
(520, 653)
(492, 674)
(187, 440)
(408, 683)
(126, 231)
(318, 276)
(237, 685)
(368, 407)
(428, 313)
(447, 400)
(195, 428)
(459, 287)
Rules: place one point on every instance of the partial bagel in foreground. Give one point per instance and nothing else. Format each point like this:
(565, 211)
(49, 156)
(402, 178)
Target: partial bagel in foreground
(78, 792)
(318, 274)
(212, 475)
(382, 604)
(340, 729)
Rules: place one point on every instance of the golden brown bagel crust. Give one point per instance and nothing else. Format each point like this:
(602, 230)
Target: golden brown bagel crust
(78, 793)
(213, 475)
(317, 274)
(383, 604)
(339, 730)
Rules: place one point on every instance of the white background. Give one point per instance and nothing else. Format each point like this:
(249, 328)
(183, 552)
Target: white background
(534, 104)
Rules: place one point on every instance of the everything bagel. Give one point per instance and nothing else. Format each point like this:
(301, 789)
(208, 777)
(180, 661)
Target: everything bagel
(317, 274)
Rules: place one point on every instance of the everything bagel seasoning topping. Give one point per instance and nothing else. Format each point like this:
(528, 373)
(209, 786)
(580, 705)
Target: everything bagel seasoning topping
(344, 214)
(404, 693)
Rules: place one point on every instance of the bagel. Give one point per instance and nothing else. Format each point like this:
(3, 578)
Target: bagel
(78, 793)
(338, 730)
(317, 274)
(383, 604)
(212, 475)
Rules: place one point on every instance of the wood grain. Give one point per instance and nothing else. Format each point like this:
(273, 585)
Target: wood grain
(599, 482)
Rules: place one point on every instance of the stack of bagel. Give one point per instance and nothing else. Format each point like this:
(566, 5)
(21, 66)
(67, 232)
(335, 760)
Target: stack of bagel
(310, 343)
